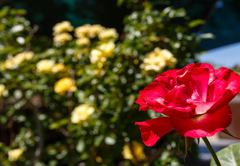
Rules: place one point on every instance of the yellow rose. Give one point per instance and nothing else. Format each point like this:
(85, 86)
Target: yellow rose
(108, 33)
(82, 31)
(58, 68)
(88, 30)
(9, 64)
(62, 38)
(158, 59)
(3, 90)
(136, 154)
(101, 54)
(17, 59)
(64, 26)
(64, 85)
(107, 48)
(94, 30)
(28, 54)
(81, 113)
(14, 154)
(170, 60)
(95, 55)
(45, 66)
(83, 41)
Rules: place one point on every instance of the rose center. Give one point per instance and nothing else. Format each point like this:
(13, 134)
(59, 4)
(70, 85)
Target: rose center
(198, 117)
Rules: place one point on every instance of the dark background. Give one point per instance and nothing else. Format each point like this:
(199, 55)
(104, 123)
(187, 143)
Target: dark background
(222, 17)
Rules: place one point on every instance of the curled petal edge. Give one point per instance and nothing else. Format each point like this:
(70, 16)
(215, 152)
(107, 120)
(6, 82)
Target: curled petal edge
(152, 130)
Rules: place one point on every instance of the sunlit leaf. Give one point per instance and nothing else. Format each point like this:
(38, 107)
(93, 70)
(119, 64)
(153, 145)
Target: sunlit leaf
(195, 23)
(228, 156)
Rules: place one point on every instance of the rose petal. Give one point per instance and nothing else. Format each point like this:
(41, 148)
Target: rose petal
(202, 107)
(227, 97)
(151, 95)
(177, 104)
(207, 124)
(173, 104)
(232, 78)
(196, 82)
(199, 65)
(152, 130)
(168, 78)
(216, 90)
(199, 84)
(211, 71)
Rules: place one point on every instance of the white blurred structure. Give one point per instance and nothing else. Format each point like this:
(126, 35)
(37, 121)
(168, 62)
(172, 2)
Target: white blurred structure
(225, 56)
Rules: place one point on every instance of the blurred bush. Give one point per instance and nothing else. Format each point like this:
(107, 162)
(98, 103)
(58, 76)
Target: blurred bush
(73, 103)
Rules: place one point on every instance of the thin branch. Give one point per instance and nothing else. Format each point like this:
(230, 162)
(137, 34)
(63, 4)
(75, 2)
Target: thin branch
(40, 144)
(209, 14)
(31, 33)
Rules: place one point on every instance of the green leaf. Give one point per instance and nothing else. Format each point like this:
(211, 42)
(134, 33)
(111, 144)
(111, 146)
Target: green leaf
(120, 2)
(195, 23)
(98, 140)
(229, 156)
(58, 124)
(180, 12)
(3, 119)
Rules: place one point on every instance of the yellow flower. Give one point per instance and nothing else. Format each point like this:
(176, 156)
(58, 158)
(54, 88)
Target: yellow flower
(82, 31)
(88, 30)
(3, 91)
(102, 52)
(158, 59)
(62, 38)
(108, 33)
(81, 113)
(94, 30)
(64, 85)
(107, 48)
(45, 66)
(83, 41)
(95, 55)
(9, 64)
(14, 154)
(135, 153)
(64, 26)
(58, 68)
(170, 60)
(28, 55)
(17, 59)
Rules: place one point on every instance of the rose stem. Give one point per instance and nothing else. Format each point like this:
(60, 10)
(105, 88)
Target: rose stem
(211, 151)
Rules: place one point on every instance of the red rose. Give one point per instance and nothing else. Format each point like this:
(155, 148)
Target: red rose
(194, 99)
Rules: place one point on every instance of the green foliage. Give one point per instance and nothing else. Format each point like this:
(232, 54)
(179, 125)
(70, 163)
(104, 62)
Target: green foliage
(14, 31)
(229, 155)
(168, 29)
(167, 160)
(37, 111)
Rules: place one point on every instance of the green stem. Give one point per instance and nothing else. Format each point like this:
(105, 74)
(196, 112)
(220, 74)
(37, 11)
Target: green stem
(211, 151)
